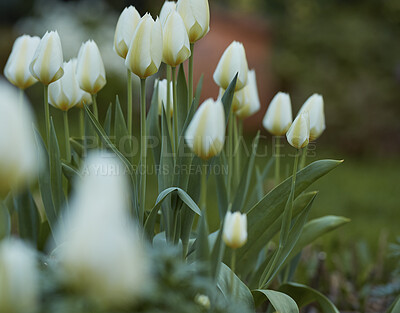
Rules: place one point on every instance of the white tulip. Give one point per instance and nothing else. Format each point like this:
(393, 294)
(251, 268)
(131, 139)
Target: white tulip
(145, 51)
(233, 61)
(162, 96)
(278, 118)
(299, 133)
(176, 47)
(166, 9)
(315, 108)
(205, 134)
(125, 29)
(65, 92)
(18, 153)
(46, 64)
(90, 71)
(235, 230)
(100, 250)
(196, 16)
(18, 278)
(17, 66)
(251, 99)
(84, 98)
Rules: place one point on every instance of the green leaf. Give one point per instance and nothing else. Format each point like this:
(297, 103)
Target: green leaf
(217, 254)
(107, 121)
(5, 221)
(77, 146)
(182, 98)
(258, 192)
(202, 248)
(69, 171)
(228, 97)
(153, 127)
(242, 293)
(122, 137)
(165, 174)
(280, 301)
(270, 208)
(222, 195)
(395, 307)
(304, 295)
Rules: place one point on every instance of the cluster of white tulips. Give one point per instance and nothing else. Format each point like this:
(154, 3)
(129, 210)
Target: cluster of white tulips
(89, 207)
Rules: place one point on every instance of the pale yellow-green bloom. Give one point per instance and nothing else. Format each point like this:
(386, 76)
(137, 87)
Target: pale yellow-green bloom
(146, 48)
(196, 16)
(19, 278)
(250, 97)
(46, 64)
(235, 230)
(233, 61)
(166, 9)
(90, 71)
(299, 133)
(176, 47)
(17, 66)
(315, 108)
(162, 95)
(278, 117)
(203, 301)
(205, 134)
(125, 29)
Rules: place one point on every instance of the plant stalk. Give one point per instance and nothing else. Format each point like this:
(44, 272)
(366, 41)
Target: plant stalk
(175, 109)
(82, 122)
(277, 160)
(203, 195)
(303, 157)
(143, 147)
(233, 265)
(190, 93)
(230, 154)
(47, 113)
(129, 99)
(66, 133)
(236, 149)
(95, 110)
(168, 111)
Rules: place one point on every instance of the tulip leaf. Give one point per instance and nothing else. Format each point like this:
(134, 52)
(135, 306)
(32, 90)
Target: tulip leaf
(258, 192)
(123, 140)
(271, 206)
(395, 307)
(182, 98)
(5, 221)
(107, 121)
(77, 146)
(69, 171)
(153, 128)
(279, 300)
(221, 188)
(202, 248)
(304, 295)
(241, 292)
(228, 97)
(217, 253)
(165, 174)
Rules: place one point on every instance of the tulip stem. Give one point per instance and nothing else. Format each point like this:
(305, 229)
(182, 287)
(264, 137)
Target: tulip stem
(203, 199)
(230, 153)
(190, 95)
(82, 122)
(277, 160)
(143, 147)
(175, 109)
(236, 149)
(129, 99)
(233, 265)
(168, 112)
(66, 133)
(95, 110)
(303, 157)
(47, 113)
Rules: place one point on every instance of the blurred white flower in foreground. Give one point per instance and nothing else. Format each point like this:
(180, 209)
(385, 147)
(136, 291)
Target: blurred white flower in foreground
(101, 253)
(18, 278)
(18, 154)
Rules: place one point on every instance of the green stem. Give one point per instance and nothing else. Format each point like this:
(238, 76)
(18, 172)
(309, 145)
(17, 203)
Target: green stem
(168, 111)
(175, 109)
(190, 94)
(66, 133)
(233, 265)
(143, 147)
(175, 226)
(241, 139)
(82, 122)
(303, 157)
(203, 195)
(230, 154)
(236, 149)
(95, 110)
(47, 113)
(129, 99)
(277, 160)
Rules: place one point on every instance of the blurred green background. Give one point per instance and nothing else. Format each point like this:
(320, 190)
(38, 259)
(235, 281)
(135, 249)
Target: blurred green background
(346, 50)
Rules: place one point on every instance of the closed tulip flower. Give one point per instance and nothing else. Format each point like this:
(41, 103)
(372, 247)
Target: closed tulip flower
(125, 29)
(315, 108)
(114, 272)
(90, 71)
(251, 99)
(145, 52)
(238, 100)
(65, 92)
(162, 95)
(196, 16)
(278, 118)
(176, 47)
(205, 134)
(18, 154)
(46, 65)
(299, 132)
(166, 9)
(233, 61)
(84, 98)
(17, 66)
(19, 278)
(235, 230)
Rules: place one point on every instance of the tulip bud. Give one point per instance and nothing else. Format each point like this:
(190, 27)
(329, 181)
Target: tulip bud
(251, 99)
(125, 29)
(90, 71)
(46, 65)
(205, 134)
(17, 66)
(18, 278)
(235, 230)
(315, 108)
(196, 16)
(162, 95)
(166, 9)
(299, 133)
(176, 48)
(278, 118)
(233, 61)
(145, 52)
(65, 92)
(18, 157)
(101, 253)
